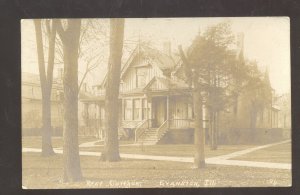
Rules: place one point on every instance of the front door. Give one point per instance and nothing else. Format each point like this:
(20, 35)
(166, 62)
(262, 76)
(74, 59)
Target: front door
(160, 114)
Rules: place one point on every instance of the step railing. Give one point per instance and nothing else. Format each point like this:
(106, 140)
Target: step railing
(162, 129)
(140, 129)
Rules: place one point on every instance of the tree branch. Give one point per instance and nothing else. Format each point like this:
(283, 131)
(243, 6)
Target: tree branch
(60, 30)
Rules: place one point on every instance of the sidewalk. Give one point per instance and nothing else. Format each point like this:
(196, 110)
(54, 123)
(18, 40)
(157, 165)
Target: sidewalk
(219, 160)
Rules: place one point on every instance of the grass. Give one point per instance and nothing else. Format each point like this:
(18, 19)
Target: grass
(39, 172)
(171, 150)
(57, 142)
(280, 154)
(162, 150)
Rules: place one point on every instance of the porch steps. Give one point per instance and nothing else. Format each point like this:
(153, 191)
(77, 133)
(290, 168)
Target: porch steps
(149, 137)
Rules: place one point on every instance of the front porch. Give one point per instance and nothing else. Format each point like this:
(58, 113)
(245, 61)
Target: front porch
(143, 113)
(174, 111)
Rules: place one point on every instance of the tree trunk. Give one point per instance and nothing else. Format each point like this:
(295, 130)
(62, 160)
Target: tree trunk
(111, 147)
(47, 149)
(211, 129)
(71, 159)
(216, 130)
(199, 136)
(213, 145)
(253, 124)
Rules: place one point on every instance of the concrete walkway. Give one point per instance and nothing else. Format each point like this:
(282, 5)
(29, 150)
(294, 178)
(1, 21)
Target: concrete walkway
(88, 144)
(219, 160)
(246, 151)
(93, 144)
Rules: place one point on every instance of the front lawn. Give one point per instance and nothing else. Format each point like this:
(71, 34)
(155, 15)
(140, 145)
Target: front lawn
(162, 150)
(57, 142)
(172, 150)
(39, 172)
(279, 154)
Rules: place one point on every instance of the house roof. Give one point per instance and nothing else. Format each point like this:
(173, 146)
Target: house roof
(32, 87)
(165, 84)
(34, 80)
(162, 60)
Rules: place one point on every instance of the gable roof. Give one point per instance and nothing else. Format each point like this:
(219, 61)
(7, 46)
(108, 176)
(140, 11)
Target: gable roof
(160, 83)
(162, 60)
(33, 79)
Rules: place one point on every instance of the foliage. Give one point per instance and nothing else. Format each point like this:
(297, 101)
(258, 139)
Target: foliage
(212, 57)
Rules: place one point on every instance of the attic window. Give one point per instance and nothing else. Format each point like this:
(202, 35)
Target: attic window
(141, 74)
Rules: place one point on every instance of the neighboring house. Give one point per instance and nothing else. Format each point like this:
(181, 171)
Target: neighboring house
(32, 105)
(243, 126)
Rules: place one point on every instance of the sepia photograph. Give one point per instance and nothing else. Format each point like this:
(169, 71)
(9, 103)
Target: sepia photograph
(198, 102)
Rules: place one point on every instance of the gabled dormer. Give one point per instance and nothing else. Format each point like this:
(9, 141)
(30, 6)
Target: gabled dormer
(142, 66)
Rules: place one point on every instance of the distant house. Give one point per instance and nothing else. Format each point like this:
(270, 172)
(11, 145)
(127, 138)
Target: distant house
(155, 104)
(239, 124)
(32, 105)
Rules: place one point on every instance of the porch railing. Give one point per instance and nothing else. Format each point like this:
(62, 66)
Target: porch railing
(162, 130)
(141, 128)
(181, 123)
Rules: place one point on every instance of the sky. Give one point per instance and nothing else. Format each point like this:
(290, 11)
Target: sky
(267, 40)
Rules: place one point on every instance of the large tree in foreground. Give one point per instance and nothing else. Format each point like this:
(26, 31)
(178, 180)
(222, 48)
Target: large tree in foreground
(46, 79)
(111, 147)
(207, 66)
(195, 84)
(212, 57)
(70, 41)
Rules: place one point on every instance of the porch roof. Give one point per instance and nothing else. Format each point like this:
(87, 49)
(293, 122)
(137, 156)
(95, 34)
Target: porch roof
(160, 84)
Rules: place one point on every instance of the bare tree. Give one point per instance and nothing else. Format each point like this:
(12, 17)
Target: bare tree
(111, 147)
(91, 45)
(70, 41)
(46, 79)
(88, 68)
(93, 41)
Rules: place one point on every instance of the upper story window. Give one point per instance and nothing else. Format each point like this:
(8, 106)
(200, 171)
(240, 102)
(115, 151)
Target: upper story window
(141, 74)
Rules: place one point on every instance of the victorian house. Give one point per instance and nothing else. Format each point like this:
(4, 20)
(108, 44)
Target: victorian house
(152, 100)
